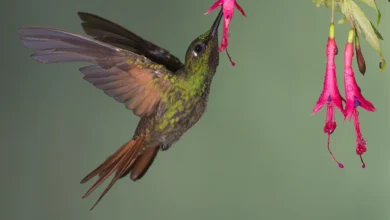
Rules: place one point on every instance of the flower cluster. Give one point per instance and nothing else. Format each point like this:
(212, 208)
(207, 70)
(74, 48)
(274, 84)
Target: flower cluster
(353, 96)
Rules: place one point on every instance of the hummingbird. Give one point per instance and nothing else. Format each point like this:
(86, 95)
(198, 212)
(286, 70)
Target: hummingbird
(169, 96)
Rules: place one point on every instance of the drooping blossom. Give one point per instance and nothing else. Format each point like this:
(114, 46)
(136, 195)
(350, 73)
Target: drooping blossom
(228, 11)
(354, 97)
(330, 93)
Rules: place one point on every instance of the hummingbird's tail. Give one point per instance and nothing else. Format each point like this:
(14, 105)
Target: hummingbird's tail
(131, 157)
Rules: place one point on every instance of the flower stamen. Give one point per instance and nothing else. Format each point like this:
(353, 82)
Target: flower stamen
(363, 164)
(331, 154)
(330, 127)
(230, 58)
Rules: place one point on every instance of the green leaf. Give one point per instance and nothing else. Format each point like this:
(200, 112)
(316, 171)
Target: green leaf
(318, 2)
(343, 20)
(351, 10)
(379, 35)
(328, 4)
(382, 64)
(373, 5)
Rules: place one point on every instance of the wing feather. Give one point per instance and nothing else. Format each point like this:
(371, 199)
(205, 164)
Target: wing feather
(129, 78)
(111, 33)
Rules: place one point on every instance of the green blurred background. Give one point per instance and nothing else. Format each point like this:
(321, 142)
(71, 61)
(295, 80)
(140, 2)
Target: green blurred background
(256, 154)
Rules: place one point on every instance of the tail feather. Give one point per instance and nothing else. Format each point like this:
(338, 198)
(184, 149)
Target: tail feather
(109, 163)
(121, 162)
(143, 163)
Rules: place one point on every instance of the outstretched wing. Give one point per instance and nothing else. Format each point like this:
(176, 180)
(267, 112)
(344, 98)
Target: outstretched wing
(129, 78)
(106, 31)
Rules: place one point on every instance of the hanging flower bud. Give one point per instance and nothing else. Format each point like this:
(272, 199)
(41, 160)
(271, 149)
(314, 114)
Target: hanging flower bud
(359, 55)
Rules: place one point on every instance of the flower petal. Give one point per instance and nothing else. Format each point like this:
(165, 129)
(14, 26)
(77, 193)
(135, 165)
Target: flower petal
(240, 9)
(330, 91)
(214, 6)
(354, 97)
(228, 11)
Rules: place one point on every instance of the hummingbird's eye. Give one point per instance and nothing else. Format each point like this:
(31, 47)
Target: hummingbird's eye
(198, 49)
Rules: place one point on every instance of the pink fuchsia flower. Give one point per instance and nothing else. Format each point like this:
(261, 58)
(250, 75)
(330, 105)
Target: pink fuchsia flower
(354, 97)
(228, 11)
(330, 93)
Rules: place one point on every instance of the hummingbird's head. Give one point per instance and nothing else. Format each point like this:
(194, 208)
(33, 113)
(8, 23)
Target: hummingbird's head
(203, 55)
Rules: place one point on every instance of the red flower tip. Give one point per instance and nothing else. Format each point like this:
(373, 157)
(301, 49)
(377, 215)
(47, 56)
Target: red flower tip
(240, 9)
(214, 6)
(360, 142)
(228, 11)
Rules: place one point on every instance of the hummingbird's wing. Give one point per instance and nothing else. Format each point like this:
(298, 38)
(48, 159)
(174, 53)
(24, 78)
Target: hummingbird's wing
(127, 77)
(107, 31)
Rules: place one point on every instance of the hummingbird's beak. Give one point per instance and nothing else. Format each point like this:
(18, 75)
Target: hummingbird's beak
(214, 27)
